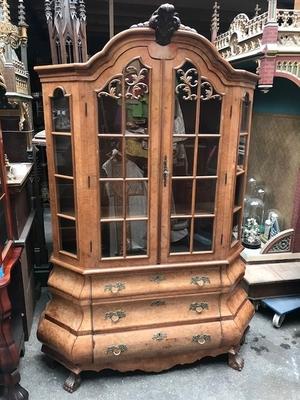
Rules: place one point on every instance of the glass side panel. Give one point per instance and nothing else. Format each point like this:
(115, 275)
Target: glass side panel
(210, 109)
(186, 81)
(63, 155)
(3, 226)
(203, 234)
(242, 151)
(239, 190)
(60, 112)
(110, 107)
(124, 164)
(205, 196)
(180, 235)
(246, 108)
(208, 151)
(67, 229)
(65, 196)
(236, 227)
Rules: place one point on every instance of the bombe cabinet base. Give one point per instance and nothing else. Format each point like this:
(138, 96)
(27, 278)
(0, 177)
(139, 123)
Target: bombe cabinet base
(99, 321)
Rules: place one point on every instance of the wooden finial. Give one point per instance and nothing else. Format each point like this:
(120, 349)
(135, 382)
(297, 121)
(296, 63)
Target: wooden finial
(215, 22)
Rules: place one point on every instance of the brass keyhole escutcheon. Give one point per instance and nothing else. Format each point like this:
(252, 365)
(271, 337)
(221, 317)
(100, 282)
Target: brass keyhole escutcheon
(115, 318)
(116, 352)
(200, 283)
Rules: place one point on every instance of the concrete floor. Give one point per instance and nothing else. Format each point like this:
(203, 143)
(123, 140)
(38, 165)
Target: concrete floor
(272, 371)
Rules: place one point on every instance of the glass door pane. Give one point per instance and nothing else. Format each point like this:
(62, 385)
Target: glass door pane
(195, 150)
(124, 162)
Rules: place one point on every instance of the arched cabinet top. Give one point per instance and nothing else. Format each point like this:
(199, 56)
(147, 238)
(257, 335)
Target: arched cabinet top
(145, 37)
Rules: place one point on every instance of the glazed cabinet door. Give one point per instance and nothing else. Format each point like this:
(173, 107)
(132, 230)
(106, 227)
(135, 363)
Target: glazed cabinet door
(128, 129)
(193, 143)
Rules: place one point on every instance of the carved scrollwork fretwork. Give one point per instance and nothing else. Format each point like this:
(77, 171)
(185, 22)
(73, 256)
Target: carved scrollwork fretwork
(281, 243)
(135, 82)
(114, 88)
(208, 92)
(189, 81)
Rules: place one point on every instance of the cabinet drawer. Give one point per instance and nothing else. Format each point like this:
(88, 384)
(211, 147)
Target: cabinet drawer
(144, 313)
(111, 348)
(140, 283)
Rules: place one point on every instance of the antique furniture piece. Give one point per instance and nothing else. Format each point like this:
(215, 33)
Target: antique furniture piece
(146, 186)
(11, 297)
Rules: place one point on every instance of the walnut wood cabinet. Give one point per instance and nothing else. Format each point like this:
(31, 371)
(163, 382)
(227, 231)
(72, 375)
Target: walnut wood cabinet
(147, 148)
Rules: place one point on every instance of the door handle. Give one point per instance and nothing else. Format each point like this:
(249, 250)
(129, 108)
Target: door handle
(165, 171)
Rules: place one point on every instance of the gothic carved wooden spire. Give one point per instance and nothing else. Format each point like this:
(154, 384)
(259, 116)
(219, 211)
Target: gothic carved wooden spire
(5, 11)
(66, 21)
(215, 22)
(21, 14)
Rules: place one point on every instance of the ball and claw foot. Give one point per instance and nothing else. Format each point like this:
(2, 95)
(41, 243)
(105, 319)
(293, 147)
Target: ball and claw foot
(72, 382)
(15, 392)
(235, 361)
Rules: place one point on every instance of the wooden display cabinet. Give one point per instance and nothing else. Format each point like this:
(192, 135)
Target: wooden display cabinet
(147, 148)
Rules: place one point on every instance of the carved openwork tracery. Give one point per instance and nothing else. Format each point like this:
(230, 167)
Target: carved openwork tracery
(113, 89)
(188, 81)
(191, 86)
(135, 82)
(208, 92)
(281, 243)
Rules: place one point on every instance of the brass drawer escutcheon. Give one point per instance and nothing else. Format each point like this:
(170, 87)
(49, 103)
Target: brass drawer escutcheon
(200, 280)
(115, 316)
(157, 278)
(201, 339)
(158, 303)
(117, 350)
(198, 307)
(159, 336)
(114, 288)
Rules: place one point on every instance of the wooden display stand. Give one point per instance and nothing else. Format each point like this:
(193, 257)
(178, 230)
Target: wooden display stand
(147, 146)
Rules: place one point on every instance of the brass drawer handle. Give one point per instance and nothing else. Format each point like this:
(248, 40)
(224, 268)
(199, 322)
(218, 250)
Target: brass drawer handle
(201, 339)
(159, 336)
(115, 316)
(157, 278)
(158, 303)
(200, 280)
(116, 350)
(198, 307)
(114, 288)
